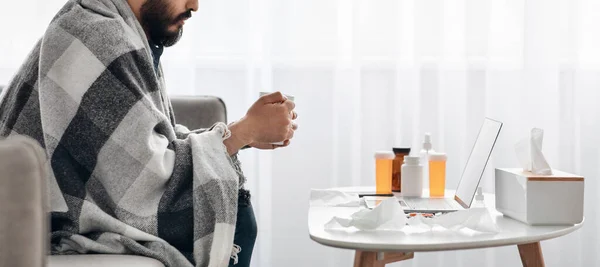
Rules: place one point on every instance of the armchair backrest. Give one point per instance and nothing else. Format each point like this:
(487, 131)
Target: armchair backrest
(199, 111)
(195, 111)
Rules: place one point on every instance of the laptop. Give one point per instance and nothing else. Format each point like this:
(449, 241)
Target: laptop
(469, 181)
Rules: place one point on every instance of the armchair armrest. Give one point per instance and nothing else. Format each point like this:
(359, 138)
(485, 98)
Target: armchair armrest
(197, 112)
(23, 224)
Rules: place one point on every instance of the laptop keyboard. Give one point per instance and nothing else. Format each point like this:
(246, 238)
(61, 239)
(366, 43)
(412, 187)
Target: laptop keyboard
(429, 204)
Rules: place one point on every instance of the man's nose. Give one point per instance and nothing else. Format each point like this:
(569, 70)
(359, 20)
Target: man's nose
(192, 4)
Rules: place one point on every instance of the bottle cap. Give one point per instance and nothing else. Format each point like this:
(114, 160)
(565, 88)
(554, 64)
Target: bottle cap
(401, 150)
(427, 141)
(479, 195)
(384, 155)
(412, 160)
(437, 156)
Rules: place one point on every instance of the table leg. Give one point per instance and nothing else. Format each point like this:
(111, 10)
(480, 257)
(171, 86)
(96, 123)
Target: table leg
(531, 255)
(379, 259)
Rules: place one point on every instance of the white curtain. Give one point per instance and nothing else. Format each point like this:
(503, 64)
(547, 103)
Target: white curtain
(372, 74)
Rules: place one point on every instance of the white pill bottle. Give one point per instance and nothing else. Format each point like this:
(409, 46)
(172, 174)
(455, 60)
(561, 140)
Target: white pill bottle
(412, 177)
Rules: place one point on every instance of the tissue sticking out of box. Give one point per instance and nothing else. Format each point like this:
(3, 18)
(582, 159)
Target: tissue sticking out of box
(529, 153)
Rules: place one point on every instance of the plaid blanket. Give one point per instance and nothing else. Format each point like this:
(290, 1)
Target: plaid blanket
(126, 179)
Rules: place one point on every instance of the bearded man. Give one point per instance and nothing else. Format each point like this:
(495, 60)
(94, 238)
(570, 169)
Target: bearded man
(125, 177)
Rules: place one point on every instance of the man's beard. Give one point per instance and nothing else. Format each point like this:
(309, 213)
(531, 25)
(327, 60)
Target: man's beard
(155, 16)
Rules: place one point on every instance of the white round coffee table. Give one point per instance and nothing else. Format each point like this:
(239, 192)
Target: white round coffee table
(379, 248)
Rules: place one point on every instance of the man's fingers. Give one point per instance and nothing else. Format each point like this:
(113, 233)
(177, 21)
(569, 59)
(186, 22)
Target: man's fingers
(285, 143)
(276, 97)
(290, 134)
(294, 115)
(294, 126)
(290, 105)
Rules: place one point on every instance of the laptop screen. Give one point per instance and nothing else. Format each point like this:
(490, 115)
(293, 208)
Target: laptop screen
(484, 144)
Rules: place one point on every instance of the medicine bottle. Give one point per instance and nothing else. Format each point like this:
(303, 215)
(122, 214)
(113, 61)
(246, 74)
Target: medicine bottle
(437, 174)
(426, 150)
(412, 177)
(383, 172)
(397, 166)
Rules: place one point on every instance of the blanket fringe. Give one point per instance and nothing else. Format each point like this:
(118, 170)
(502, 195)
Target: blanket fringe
(234, 253)
(225, 128)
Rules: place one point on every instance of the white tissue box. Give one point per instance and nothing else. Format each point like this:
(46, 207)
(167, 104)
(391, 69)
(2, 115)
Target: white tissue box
(555, 199)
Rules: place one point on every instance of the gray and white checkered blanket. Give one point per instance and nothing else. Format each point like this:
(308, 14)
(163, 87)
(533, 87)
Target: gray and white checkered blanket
(125, 178)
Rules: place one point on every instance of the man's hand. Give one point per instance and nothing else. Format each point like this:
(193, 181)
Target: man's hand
(269, 120)
(269, 146)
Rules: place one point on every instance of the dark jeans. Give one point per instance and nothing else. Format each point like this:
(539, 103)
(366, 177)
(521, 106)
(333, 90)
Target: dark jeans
(245, 230)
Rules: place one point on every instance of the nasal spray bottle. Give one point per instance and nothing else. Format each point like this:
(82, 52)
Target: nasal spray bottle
(424, 154)
(479, 199)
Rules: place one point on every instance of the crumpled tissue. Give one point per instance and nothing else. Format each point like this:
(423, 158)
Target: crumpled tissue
(333, 198)
(386, 216)
(529, 153)
(389, 216)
